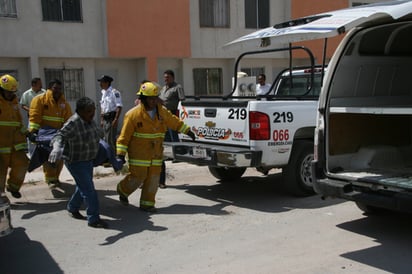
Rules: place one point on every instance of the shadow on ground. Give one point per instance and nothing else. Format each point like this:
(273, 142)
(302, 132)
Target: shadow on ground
(392, 233)
(20, 254)
(261, 193)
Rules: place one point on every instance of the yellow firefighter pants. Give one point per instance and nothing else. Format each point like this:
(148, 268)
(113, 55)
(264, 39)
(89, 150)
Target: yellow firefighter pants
(52, 172)
(18, 163)
(148, 177)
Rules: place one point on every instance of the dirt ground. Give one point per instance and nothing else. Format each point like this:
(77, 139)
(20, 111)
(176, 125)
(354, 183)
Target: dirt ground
(203, 226)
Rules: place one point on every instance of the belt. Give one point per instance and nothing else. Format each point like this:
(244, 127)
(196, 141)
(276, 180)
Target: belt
(109, 115)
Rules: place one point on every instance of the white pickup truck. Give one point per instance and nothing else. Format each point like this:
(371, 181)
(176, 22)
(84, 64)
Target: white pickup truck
(264, 132)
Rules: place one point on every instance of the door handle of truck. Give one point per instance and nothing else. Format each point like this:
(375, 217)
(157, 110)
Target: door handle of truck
(210, 112)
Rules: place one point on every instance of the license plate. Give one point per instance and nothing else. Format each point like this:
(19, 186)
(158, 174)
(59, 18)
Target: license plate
(199, 152)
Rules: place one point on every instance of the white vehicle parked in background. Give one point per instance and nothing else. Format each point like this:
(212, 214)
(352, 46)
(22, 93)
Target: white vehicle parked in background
(271, 131)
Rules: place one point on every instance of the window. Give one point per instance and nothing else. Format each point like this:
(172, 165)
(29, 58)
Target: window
(214, 13)
(61, 10)
(72, 81)
(8, 8)
(355, 4)
(256, 14)
(253, 71)
(361, 3)
(10, 72)
(208, 81)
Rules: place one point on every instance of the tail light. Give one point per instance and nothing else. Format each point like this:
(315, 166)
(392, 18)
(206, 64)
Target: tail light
(319, 131)
(259, 126)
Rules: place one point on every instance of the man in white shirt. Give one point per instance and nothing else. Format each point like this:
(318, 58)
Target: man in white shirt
(28, 95)
(262, 88)
(111, 106)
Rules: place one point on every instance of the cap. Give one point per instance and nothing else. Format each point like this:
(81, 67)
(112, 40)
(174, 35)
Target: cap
(105, 78)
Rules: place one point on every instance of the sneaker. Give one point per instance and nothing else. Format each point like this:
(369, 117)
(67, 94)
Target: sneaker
(15, 194)
(77, 215)
(53, 183)
(150, 209)
(98, 224)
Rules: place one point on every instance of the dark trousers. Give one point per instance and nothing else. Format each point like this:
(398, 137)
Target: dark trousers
(109, 133)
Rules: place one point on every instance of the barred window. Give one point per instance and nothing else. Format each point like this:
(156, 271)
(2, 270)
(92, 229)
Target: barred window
(256, 14)
(208, 81)
(10, 72)
(253, 71)
(62, 10)
(8, 8)
(214, 13)
(72, 81)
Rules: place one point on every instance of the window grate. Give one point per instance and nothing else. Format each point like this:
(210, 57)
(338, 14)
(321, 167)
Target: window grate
(62, 10)
(253, 71)
(256, 14)
(72, 80)
(8, 8)
(207, 81)
(214, 13)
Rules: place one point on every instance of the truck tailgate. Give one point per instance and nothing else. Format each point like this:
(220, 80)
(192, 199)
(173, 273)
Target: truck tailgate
(217, 122)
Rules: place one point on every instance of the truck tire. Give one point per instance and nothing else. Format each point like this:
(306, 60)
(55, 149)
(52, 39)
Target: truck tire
(227, 173)
(297, 175)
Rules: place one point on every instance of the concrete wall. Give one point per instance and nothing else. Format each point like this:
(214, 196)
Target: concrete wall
(149, 29)
(209, 42)
(29, 35)
(134, 40)
(30, 45)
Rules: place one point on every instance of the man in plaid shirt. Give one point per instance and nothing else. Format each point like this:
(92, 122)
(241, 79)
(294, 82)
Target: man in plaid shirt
(78, 143)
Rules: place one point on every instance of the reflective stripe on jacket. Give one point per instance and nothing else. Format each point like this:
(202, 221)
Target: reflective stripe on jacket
(44, 111)
(142, 137)
(12, 131)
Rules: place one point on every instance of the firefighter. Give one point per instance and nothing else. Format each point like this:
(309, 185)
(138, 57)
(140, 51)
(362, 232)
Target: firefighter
(13, 144)
(141, 138)
(49, 110)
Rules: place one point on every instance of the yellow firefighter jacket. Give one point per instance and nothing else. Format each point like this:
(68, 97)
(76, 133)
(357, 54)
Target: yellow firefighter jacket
(142, 137)
(12, 130)
(45, 112)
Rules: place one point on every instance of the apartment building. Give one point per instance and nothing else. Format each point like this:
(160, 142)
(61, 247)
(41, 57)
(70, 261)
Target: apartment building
(131, 40)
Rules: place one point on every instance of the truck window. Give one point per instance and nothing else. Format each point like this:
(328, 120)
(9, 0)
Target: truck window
(299, 86)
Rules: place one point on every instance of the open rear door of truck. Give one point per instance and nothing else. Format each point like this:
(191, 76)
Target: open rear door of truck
(322, 25)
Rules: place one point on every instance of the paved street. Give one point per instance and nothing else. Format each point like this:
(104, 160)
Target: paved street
(250, 226)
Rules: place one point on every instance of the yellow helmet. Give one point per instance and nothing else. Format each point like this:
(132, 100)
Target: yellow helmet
(8, 82)
(148, 89)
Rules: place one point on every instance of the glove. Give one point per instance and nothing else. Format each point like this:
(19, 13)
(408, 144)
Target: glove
(32, 136)
(121, 159)
(191, 135)
(56, 153)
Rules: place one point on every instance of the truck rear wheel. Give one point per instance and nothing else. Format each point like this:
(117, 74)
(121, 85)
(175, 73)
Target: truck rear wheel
(297, 175)
(227, 173)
